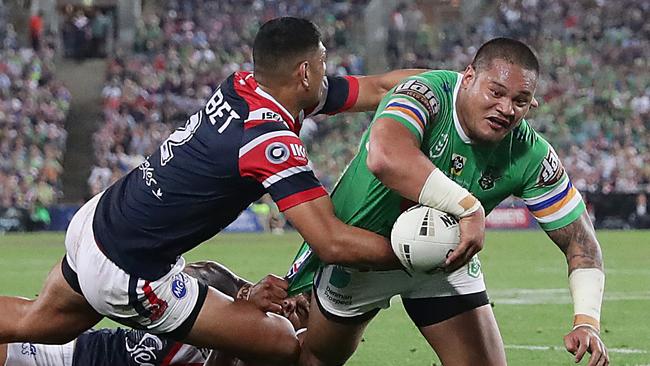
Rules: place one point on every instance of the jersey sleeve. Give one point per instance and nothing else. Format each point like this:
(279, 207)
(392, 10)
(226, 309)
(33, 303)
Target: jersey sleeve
(548, 192)
(278, 160)
(340, 93)
(412, 103)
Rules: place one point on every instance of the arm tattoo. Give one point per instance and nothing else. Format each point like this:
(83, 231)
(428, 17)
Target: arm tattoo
(578, 242)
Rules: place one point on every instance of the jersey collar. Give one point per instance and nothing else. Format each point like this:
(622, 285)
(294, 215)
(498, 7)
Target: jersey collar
(459, 128)
(252, 83)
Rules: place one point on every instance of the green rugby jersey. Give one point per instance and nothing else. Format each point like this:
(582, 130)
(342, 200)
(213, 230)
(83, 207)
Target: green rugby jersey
(523, 164)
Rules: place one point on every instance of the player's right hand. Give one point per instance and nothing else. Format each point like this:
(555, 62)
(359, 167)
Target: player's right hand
(584, 339)
(269, 293)
(472, 234)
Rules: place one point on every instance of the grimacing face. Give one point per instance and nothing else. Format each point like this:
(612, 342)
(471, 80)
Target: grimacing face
(493, 101)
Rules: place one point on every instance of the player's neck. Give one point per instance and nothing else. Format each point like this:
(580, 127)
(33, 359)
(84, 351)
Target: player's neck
(285, 97)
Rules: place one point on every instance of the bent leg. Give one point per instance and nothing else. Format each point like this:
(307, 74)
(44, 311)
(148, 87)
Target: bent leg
(56, 316)
(330, 342)
(470, 338)
(240, 328)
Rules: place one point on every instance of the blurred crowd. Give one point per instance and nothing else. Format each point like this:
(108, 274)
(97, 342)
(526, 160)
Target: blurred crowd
(33, 108)
(594, 90)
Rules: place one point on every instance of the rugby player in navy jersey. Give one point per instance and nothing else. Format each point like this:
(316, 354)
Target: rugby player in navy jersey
(124, 247)
(109, 347)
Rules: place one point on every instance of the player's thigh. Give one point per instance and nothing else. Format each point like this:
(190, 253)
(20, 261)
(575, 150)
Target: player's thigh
(241, 329)
(331, 340)
(467, 339)
(58, 314)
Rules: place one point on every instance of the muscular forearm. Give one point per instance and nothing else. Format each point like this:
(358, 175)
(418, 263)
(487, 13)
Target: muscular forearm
(362, 249)
(585, 266)
(579, 244)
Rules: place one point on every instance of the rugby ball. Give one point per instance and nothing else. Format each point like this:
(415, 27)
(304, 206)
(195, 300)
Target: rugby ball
(423, 237)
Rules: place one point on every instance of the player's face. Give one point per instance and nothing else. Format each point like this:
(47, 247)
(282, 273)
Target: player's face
(495, 100)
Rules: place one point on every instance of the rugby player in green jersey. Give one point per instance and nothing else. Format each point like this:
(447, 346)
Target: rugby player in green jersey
(445, 139)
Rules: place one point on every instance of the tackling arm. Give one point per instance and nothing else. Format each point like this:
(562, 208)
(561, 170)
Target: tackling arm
(373, 88)
(335, 242)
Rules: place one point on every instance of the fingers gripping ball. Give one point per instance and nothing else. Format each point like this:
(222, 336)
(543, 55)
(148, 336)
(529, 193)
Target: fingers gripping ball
(423, 237)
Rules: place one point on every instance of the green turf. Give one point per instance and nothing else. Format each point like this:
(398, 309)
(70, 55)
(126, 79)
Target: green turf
(524, 271)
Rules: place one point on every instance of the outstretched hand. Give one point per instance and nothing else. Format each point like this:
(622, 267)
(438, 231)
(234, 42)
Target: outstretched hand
(585, 339)
(268, 294)
(472, 234)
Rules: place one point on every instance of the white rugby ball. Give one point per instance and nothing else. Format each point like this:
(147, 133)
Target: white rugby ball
(423, 237)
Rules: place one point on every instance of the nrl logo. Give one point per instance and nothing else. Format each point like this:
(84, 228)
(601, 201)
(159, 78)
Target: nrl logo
(457, 164)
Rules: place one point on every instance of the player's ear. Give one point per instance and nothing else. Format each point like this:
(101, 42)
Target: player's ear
(468, 75)
(304, 74)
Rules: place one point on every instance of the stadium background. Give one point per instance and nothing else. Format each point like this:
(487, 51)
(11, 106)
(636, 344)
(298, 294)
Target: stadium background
(88, 88)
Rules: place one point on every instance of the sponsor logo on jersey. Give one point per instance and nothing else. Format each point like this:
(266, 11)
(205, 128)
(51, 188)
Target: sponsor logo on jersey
(217, 109)
(422, 93)
(28, 349)
(144, 352)
(340, 277)
(488, 178)
(457, 164)
(437, 149)
(474, 267)
(298, 151)
(277, 153)
(179, 287)
(552, 170)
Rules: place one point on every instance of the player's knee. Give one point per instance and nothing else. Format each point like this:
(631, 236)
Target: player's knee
(286, 347)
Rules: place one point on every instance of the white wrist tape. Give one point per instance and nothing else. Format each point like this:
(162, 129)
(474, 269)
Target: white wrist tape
(444, 194)
(587, 286)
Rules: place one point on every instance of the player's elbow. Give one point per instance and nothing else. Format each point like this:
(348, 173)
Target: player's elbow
(378, 161)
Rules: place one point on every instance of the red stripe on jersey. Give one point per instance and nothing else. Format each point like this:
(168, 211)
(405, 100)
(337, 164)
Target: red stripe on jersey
(353, 95)
(157, 306)
(301, 197)
(172, 352)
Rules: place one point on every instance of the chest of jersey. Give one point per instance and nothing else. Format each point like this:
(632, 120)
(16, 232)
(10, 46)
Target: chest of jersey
(484, 171)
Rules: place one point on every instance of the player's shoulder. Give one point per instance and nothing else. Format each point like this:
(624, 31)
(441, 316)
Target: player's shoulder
(431, 88)
(526, 140)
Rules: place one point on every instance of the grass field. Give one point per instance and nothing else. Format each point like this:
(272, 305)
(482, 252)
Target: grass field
(524, 271)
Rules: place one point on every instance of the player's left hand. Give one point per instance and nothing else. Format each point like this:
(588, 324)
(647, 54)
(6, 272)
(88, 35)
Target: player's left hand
(269, 293)
(585, 339)
(472, 235)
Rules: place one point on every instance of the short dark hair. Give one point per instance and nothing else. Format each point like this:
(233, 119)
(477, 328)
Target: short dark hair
(283, 39)
(507, 49)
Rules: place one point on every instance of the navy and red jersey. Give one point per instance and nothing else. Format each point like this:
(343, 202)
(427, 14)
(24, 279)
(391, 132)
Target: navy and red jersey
(109, 347)
(242, 144)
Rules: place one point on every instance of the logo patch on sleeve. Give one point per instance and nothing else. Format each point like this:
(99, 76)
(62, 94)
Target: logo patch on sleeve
(277, 153)
(552, 170)
(422, 93)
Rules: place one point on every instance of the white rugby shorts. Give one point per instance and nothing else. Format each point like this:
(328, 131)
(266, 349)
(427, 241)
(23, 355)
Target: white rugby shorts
(159, 306)
(347, 292)
(32, 354)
